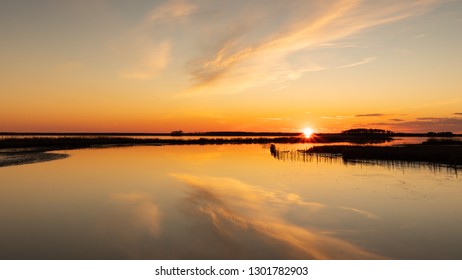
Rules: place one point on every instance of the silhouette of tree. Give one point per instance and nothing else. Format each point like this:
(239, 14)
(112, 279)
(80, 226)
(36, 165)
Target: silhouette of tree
(441, 134)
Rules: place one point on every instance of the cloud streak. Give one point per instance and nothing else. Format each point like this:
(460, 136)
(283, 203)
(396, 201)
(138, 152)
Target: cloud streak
(370, 115)
(425, 124)
(149, 63)
(148, 52)
(241, 60)
(172, 10)
(364, 61)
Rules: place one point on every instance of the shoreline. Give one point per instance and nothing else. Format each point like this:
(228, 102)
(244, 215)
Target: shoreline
(72, 142)
(449, 155)
(18, 151)
(21, 158)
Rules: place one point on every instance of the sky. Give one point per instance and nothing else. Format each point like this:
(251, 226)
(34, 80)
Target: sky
(254, 65)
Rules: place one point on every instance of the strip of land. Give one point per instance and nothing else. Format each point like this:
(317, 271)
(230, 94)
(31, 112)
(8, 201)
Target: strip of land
(16, 150)
(25, 149)
(19, 157)
(86, 141)
(431, 152)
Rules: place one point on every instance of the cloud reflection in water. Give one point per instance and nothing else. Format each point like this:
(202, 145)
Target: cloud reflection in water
(132, 221)
(237, 220)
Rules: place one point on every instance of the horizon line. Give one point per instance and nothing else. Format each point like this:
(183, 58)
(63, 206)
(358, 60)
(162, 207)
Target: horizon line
(172, 133)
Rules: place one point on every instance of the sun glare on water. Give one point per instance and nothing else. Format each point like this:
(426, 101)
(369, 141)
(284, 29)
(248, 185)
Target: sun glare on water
(307, 131)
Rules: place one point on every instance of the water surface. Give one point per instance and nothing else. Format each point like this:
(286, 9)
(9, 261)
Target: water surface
(225, 202)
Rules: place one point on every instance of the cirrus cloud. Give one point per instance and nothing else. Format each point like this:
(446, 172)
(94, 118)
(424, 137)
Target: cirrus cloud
(424, 124)
(370, 115)
(150, 61)
(250, 56)
(171, 10)
(364, 61)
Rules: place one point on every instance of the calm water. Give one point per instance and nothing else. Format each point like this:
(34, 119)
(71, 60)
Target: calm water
(225, 202)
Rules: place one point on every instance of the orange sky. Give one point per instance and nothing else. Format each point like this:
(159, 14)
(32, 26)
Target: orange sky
(158, 66)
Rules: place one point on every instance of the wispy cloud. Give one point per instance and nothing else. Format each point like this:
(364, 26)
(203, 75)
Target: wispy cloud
(172, 10)
(423, 35)
(273, 119)
(150, 61)
(424, 124)
(337, 45)
(238, 47)
(337, 117)
(459, 114)
(364, 61)
(241, 60)
(147, 48)
(370, 115)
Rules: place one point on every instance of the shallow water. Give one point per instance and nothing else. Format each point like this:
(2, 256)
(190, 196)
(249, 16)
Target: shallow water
(225, 202)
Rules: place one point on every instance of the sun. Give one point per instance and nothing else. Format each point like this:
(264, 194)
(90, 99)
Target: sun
(308, 131)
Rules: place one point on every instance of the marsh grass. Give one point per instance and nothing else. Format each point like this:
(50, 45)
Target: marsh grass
(450, 155)
(78, 142)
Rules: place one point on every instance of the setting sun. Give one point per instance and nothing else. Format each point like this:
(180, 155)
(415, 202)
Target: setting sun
(307, 131)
